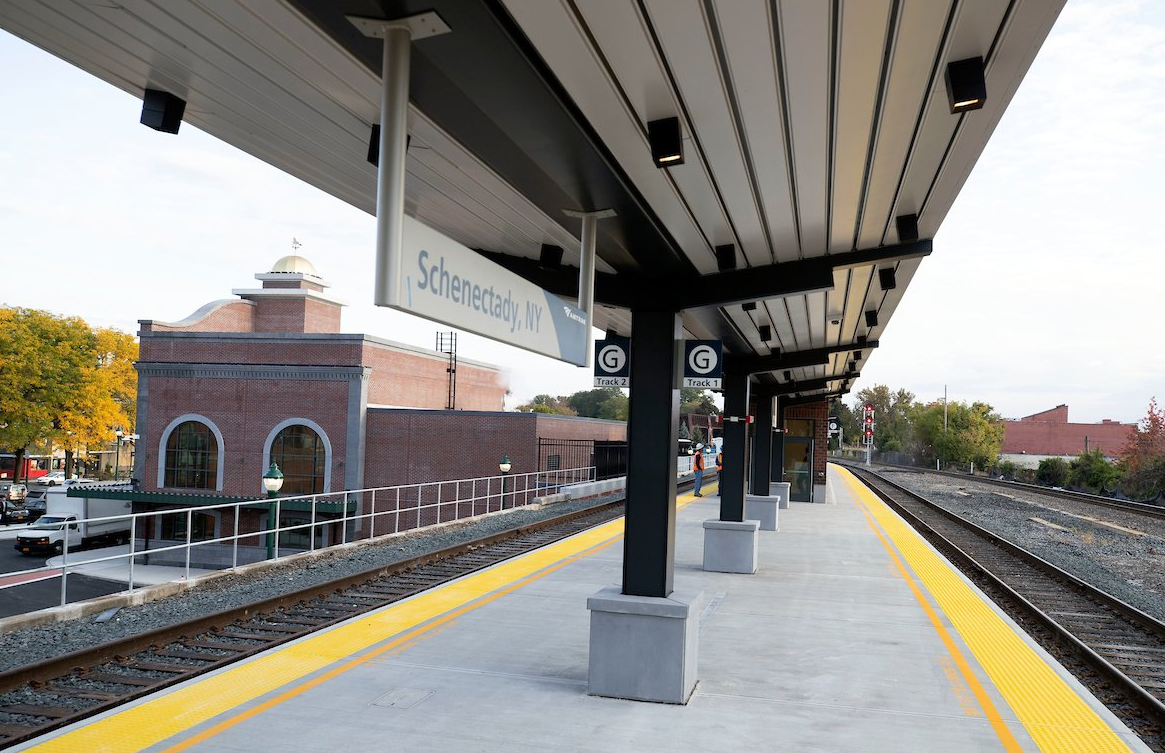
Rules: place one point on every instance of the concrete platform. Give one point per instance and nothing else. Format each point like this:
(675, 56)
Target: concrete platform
(834, 644)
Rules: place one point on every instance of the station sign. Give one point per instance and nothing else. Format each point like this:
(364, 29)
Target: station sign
(442, 280)
(613, 362)
(703, 364)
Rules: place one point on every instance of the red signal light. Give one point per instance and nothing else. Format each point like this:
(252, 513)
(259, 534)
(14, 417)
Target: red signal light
(869, 407)
(869, 432)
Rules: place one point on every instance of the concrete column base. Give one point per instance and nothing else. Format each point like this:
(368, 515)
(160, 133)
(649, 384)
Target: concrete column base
(730, 546)
(819, 493)
(762, 509)
(644, 648)
(780, 489)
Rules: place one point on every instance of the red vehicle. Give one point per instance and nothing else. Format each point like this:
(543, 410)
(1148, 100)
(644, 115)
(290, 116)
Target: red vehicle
(28, 465)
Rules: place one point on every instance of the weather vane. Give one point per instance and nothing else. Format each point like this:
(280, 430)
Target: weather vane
(295, 244)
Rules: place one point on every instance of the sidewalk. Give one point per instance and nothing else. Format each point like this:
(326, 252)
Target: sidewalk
(117, 570)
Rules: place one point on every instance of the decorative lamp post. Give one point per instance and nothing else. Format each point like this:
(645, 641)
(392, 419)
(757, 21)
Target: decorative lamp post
(272, 482)
(504, 466)
(117, 453)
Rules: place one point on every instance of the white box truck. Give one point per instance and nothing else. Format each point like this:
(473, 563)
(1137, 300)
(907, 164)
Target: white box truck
(78, 518)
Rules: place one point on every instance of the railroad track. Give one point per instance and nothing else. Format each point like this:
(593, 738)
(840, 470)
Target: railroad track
(40, 697)
(1147, 509)
(1122, 646)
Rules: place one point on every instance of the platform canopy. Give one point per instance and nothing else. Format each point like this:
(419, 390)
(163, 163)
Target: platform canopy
(808, 127)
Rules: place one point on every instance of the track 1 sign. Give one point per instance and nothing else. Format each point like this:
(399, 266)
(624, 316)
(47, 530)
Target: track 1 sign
(703, 364)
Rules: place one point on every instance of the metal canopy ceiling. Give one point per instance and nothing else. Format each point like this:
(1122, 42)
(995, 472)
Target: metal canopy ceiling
(808, 126)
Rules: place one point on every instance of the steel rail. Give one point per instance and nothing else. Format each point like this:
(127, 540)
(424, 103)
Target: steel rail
(1056, 583)
(143, 664)
(1144, 508)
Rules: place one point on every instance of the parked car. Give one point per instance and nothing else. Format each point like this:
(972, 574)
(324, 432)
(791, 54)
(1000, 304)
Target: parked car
(56, 478)
(14, 513)
(34, 502)
(14, 492)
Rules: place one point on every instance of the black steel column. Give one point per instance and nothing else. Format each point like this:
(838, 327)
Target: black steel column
(735, 443)
(762, 444)
(652, 439)
(777, 469)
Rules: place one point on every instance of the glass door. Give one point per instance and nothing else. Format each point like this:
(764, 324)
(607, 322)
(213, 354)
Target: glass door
(798, 465)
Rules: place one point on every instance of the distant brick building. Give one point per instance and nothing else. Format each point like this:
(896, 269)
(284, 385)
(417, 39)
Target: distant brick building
(268, 376)
(1033, 438)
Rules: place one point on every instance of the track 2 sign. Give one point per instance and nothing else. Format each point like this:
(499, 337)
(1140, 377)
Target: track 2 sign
(613, 362)
(703, 364)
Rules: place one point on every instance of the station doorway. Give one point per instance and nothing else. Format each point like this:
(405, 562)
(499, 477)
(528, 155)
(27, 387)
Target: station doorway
(797, 460)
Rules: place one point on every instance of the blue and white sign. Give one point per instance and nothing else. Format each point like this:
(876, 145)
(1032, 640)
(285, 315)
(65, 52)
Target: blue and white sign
(703, 364)
(613, 362)
(442, 280)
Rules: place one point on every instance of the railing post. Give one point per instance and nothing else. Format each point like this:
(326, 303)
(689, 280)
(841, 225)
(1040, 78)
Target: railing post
(235, 538)
(64, 564)
(311, 542)
(189, 537)
(278, 527)
(133, 533)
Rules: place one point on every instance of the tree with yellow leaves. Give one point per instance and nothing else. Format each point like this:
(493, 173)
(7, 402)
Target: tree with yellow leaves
(62, 382)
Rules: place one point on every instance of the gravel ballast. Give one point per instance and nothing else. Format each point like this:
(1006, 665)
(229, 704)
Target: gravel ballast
(1120, 552)
(20, 647)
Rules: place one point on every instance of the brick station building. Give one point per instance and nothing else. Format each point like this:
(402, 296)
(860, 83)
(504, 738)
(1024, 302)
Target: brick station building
(1049, 434)
(268, 376)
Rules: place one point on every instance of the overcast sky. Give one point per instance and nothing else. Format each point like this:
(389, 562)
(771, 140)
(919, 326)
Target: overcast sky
(1045, 286)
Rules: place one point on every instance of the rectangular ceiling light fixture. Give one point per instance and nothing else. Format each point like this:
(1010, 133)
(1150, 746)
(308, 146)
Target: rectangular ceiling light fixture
(766, 333)
(750, 306)
(907, 227)
(857, 355)
(886, 278)
(162, 111)
(550, 256)
(667, 146)
(373, 155)
(726, 257)
(871, 318)
(788, 376)
(966, 87)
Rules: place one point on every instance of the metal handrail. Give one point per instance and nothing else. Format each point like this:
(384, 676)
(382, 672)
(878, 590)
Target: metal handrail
(380, 511)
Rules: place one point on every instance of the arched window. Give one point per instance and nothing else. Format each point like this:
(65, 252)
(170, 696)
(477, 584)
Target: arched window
(191, 457)
(302, 456)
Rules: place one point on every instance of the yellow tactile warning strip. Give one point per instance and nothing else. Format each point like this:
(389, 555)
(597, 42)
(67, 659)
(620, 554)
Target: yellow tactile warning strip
(1055, 716)
(314, 660)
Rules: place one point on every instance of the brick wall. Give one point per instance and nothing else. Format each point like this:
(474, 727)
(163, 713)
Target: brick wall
(245, 411)
(251, 350)
(404, 378)
(231, 316)
(572, 427)
(409, 447)
(819, 413)
(1048, 438)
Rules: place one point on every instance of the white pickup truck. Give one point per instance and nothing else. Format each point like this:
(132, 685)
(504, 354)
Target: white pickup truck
(77, 518)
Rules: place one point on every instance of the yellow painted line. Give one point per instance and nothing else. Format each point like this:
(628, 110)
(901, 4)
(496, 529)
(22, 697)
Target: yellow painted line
(161, 718)
(1055, 716)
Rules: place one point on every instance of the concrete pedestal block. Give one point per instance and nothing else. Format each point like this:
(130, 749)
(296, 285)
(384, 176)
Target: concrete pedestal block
(780, 489)
(730, 546)
(762, 509)
(644, 648)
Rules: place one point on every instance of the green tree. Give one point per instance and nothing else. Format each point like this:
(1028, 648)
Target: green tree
(693, 400)
(1091, 471)
(1053, 472)
(892, 416)
(851, 430)
(595, 403)
(547, 404)
(972, 434)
